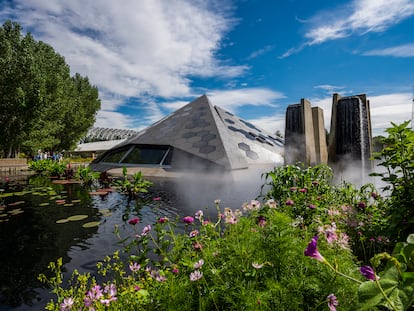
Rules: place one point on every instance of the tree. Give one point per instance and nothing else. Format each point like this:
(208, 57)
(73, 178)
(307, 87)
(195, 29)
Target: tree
(42, 105)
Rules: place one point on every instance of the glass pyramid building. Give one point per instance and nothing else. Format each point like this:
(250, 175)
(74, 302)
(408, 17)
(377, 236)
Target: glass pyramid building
(198, 136)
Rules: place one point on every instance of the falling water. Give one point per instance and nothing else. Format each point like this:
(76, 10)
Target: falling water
(362, 120)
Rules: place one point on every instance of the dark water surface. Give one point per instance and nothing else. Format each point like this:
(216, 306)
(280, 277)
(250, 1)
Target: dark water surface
(30, 236)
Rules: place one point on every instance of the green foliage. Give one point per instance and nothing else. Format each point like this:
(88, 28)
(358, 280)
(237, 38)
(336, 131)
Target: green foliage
(42, 106)
(133, 188)
(48, 167)
(394, 288)
(397, 158)
(86, 175)
(307, 195)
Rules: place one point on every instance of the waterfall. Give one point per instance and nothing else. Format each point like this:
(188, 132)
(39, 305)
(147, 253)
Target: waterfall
(362, 134)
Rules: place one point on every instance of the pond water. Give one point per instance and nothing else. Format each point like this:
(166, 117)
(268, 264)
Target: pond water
(41, 221)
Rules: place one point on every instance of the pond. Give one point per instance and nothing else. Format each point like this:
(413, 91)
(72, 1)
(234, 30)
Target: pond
(41, 221)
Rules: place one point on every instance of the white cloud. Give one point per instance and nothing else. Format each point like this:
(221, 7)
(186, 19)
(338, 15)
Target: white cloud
(361, 17)
(271, 124)
(385, 109)
(134, 48)
(406, 50)
(115, 119)
(231, 100)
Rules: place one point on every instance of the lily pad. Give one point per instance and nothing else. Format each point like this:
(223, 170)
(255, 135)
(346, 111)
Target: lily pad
(44, 204)
(62, 221)
(77, 217)
(76, 201)
(16, 203)
(107, 214)
(68, 204)
(3, 215)
(91, 224)
(16, 211)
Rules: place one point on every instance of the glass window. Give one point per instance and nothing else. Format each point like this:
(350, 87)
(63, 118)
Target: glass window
(146, 155)
(116, 155)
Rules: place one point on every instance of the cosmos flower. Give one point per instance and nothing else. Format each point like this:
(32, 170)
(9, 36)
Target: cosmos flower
(67, 304)
(188, 220)
(289, 202)
(199, 215)
(133, 221)
(199, 264)
(332, 302)
(196, 275)
(134, 267)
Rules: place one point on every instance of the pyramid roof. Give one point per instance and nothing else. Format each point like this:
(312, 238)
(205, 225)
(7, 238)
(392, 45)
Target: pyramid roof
(213, 134)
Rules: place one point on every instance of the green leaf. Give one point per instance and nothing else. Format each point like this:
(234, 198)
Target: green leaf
(91, 224)
(77, 217)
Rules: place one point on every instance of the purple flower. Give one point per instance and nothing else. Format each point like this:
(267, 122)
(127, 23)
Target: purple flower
(368, 272)
(311, 206)
(188, 220)
(133, 221)
(312, 250)
(303, 190)
(67, 304)
(332, 302)
(289, 202)
(362, 205)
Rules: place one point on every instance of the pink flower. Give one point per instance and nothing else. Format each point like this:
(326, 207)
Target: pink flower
(312, 250)
(193, 233)
(137, 287)
(67, 304)
(311, 206)
(199, 215)
(293, 188)
(175, 271)
(188, 220)
(133, 221)
(271, 203)
(162, 220)
(332, 302)
(196, 275)
(303, 190)
(199, 264)
(156, 199)
(134, 267)
(197, 246)
(146, 230)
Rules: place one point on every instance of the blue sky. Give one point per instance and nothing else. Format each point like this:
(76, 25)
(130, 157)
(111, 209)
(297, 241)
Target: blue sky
(251, 57)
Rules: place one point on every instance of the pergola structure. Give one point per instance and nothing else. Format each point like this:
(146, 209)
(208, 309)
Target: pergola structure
(103, 134)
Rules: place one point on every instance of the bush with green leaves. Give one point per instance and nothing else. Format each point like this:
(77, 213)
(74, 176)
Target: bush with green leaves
(397, 158)
(48, 167)
(308, 195)
(133, 185)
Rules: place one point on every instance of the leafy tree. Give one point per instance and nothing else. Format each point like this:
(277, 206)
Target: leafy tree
(42, 105)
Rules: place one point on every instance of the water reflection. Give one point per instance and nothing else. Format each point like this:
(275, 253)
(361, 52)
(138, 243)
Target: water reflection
(30, 238)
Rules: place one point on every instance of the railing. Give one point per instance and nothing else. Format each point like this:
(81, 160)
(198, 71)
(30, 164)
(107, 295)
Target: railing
(13, 165)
